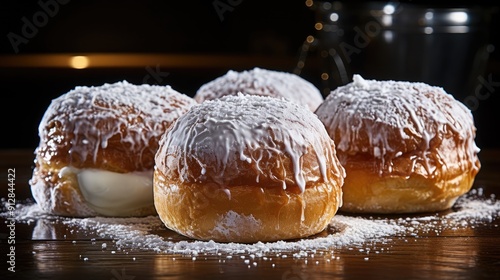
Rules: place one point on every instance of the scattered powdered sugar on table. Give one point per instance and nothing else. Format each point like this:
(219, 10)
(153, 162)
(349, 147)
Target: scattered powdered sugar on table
(145, 233)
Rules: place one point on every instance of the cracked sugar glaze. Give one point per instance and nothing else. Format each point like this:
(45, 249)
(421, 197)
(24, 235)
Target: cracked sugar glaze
(392, 119)
(248, 140)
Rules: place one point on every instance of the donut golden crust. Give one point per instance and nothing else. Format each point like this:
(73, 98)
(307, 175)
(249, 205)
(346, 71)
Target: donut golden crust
(406, 147)
(262, 82)
(97, 147)
(246, 169)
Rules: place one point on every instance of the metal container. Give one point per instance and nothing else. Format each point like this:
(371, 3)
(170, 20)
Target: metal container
(441, 46)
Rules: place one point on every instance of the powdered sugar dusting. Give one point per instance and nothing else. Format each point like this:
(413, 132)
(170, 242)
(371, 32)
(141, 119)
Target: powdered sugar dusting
(262, 82)
(232, 222)
(387, 119)
(135, 113)
(227, 137)
(344, 231)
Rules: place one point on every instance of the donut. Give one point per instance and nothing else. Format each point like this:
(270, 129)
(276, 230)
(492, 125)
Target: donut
(97, 145)
(407, 147)
(247, 168)
(263, 82)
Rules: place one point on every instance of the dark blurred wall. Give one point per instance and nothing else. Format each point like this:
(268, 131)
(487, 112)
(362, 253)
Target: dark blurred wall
(192, 27)
(162, 26)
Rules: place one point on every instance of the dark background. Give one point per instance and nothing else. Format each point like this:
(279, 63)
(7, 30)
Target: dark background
(260, 29)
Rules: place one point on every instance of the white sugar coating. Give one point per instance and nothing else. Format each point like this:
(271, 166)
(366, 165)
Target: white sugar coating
(228, 224)
(135, 113)
(364, 115)
(265, 82)
(242, 133)
(345, 232)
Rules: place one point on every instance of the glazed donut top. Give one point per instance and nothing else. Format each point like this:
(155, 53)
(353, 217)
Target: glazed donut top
(262, 82)
(388, 119)
(118, 122)
(249, 140)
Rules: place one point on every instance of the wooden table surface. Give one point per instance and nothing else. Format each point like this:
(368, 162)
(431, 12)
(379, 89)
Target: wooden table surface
(465, 253)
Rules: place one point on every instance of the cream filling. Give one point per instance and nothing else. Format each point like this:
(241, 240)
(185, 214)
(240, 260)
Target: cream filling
(114, 194)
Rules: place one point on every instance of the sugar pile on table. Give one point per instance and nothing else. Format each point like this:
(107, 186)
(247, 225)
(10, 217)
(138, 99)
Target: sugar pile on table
(145, 233)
